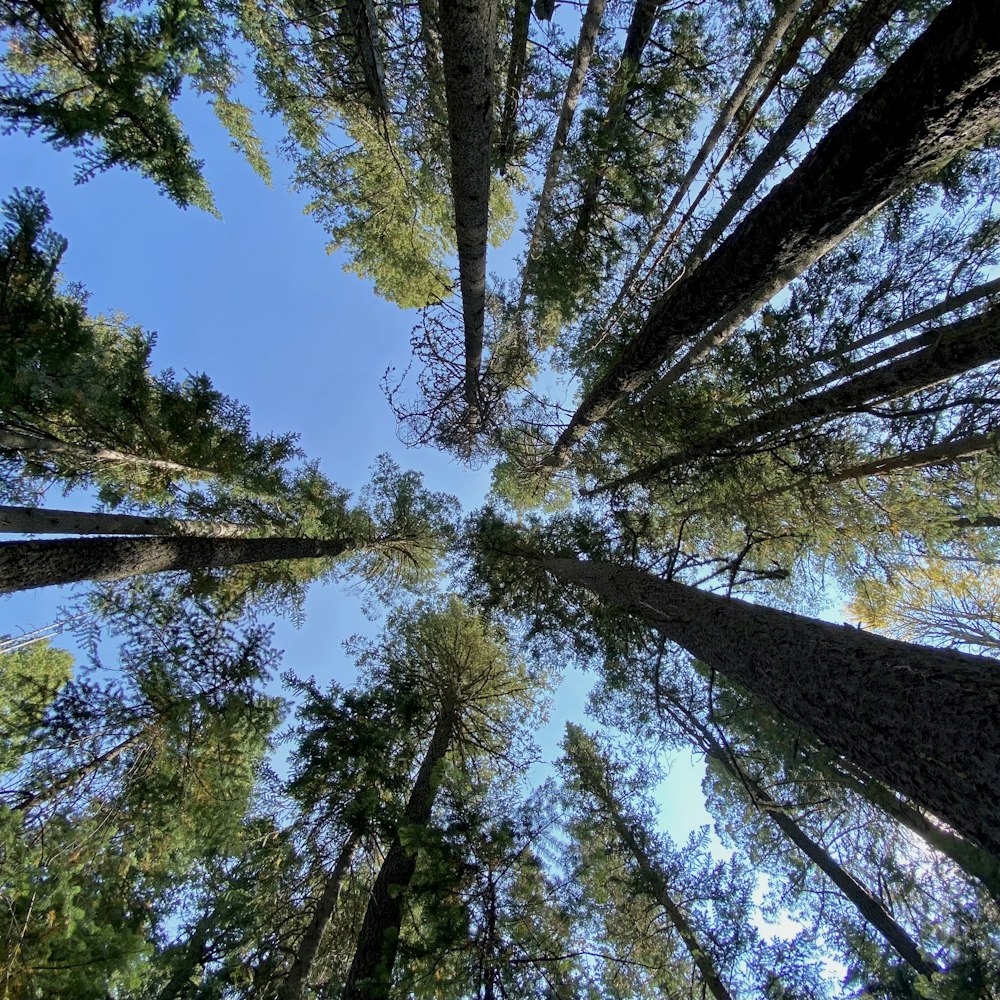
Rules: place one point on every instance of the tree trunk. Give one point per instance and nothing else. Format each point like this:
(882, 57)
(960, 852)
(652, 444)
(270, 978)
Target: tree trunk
(370, 975)
(959, 347)
(922, 720)
(12, 439)
(640, 28)
(364, 29)
(870, 908)
(298, 975)
(45, 521)
(940, 97)
(868, 21)
(574, 88)
(24, 565)
(515, 79)
(468, 38)
(654, 877)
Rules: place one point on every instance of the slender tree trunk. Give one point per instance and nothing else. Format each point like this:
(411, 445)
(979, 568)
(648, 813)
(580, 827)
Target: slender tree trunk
(640, 29)
(922, 720)
(515, 80)
(430, 37)
(25, 565)
(959, 347)
(940, 97)
(870, 908)
(468, 38)
(574, 88)
(45, 521)
(653, 876)
(298, 975)
(364, 29)
(973, 860)
(370, 975)
(868, 21)
(12, 439)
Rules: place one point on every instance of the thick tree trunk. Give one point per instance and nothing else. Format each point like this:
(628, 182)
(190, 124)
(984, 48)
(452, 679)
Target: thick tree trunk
(655, 879)
(370, 975)
(24, 565)
(870, 908)
(574, 88)
(868, 21)
(640, 29)
(940, 97)
(515, 79)
(468, 38)
(12, 439)
(298, 975)
(959, 347)
(45, 521)
(922, 720)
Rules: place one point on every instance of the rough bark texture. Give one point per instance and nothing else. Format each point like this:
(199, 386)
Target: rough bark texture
(957, 348)
(868, 21)
(924, 721)
(940, 97)
(370, 974)
(468, 38)
(24, 565)
(870, 908)
(574, 88)
(515, 79)
(298, 974)
(45, 521)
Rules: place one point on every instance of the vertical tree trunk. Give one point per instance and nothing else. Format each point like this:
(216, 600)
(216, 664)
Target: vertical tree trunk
(922, 720)
(24, 565)
(45, 521)
(298, 975)
(468, 38)
(370, 975)
(364, 30)
(955, 349)
(940, 97)
(515, 80)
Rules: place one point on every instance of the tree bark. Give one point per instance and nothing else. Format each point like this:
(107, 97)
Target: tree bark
(364, 27)
(574, 88)
(959, 347)
(370, 975)
(515, 80)
(25, 565)
(922, 720)
(468, 38)
(298, 975)
(940, 97)
(45, 521)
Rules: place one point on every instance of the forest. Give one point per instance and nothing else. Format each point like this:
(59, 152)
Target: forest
(710, 293)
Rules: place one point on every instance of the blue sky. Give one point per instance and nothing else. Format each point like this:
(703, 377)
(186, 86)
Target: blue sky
(255, 301)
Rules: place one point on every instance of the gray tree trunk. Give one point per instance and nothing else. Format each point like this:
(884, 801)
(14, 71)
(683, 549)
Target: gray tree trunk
(45, 521)
(515, 79)
(25, 565)
(364, 30)
(468, 39)
(370, 975)
(924, 721)
(959, 347)
(940, 97)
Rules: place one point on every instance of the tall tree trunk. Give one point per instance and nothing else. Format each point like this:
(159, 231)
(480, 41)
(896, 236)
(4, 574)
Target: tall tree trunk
(870, 908)
(45, 521)
(973, 860)
(24, 565)
(15, 440)
(370, 975)
(867, 22)
(653, 876)
(364, 31)
(940, 97)
(959, 347)
(468, 38)
(298, 975)
(922, 720)
(640, 29)
(515, 79)
(574, 88)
